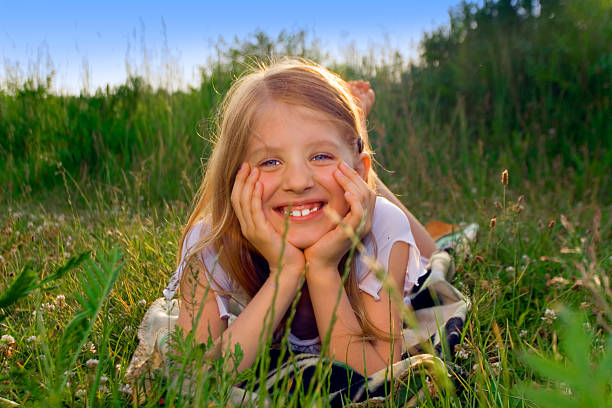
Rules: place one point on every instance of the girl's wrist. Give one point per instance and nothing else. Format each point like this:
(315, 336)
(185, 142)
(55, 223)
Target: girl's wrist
(291, 270)
(321, 271)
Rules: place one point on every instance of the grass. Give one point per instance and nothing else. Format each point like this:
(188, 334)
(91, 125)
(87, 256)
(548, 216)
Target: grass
(117, 170)
(518, 271)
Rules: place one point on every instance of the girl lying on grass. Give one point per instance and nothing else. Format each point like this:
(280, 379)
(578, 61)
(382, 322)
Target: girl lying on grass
(291, 148)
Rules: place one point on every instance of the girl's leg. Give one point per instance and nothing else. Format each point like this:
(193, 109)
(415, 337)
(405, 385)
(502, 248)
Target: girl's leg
(424, 241)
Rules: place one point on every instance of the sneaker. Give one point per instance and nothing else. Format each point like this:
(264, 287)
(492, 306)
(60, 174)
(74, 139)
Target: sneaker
(158, 322)
(458, 240)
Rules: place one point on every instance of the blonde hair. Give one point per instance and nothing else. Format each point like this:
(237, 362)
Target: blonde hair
(291, 81)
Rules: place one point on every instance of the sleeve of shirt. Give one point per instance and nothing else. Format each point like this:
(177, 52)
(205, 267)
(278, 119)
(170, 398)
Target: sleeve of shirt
(389, 225)
(218, 279)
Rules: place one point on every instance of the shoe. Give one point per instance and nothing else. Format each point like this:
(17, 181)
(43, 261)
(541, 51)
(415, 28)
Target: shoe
(458, 240)
(158, 322)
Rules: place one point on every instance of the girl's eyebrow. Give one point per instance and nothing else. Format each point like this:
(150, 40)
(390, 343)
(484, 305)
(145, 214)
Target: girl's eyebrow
(266, 149)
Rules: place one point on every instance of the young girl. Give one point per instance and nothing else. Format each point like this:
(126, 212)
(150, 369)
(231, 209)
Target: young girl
(291, 151)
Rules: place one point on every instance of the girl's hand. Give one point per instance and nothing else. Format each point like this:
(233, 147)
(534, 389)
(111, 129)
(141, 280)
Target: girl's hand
(363, 94)
(331, 247)
(246, 199)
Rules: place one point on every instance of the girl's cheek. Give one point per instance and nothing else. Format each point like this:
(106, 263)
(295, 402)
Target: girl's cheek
(269, 183)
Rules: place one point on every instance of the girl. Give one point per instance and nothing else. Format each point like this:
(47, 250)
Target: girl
(291, 151)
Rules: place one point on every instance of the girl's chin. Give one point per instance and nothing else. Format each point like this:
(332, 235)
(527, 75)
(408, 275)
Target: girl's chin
(303, 241)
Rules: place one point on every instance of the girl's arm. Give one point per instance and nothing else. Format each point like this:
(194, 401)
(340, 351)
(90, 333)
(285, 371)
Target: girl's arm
(424, 241)
(246, 329)
(346, 342)
(277, 293)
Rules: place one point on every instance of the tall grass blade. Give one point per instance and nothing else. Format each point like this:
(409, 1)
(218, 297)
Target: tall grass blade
(96, 284)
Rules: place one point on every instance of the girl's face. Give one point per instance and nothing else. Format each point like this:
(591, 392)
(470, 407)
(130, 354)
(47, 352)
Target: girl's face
(297, 151)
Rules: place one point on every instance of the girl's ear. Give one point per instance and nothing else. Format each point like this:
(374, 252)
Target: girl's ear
(363, 164)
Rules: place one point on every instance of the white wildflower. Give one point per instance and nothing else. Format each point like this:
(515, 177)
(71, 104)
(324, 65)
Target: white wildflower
(510, 269)
(549, 316)
(142, 302)
(60, 300)
(80, 393)
(103, 379)
(463, 351)
(31, 339)
(118, 367)
(47, 307)
(125, 388)
(495, 366)
(523, 333)
(89, 346)
(92, 363)
(7, 339)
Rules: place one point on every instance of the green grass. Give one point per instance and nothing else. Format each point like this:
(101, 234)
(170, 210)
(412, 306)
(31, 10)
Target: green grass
(119, 168)
(506, 278)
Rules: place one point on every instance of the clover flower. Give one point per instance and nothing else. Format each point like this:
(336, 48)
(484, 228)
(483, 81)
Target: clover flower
(549, 316)
(463, 351)
(92, 363)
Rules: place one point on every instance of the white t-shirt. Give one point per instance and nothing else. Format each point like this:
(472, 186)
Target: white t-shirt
(389, 225)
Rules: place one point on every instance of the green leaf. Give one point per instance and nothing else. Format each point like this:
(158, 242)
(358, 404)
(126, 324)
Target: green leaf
(96, 283)
(550, 369)
(26, 281)
(551, 398)
(23, 284)
(70, 264)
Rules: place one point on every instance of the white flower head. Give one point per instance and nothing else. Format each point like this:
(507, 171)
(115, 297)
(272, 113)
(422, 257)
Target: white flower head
(92, 363)
(549, 316)
(463, 351)
(7, 339)
(125, 388)
(60, 300)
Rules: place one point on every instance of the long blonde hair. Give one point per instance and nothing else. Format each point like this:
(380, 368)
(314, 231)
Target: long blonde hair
(292, 81)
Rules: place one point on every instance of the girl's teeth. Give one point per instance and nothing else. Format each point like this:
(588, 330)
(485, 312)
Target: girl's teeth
(302, 213)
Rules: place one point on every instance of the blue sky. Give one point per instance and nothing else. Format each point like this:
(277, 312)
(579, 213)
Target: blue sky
(78, 37)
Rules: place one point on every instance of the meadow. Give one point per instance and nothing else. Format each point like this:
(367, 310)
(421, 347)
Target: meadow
(96, 189)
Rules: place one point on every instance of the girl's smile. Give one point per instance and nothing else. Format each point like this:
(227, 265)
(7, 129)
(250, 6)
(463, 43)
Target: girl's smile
(297, 150)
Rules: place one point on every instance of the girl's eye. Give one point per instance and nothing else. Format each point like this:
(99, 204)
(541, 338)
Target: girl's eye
(321, 156)
(269, 163)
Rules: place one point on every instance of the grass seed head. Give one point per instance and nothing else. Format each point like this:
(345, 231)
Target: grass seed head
(504, 177)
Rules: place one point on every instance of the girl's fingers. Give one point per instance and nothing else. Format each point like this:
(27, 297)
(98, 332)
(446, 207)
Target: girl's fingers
(353, 218)
(246, 198)
(350, 180)
(347, 183)
(257, 214)
(237, 192)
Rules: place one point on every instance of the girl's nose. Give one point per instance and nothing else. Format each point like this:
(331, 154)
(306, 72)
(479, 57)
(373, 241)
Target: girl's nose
(297, 178)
